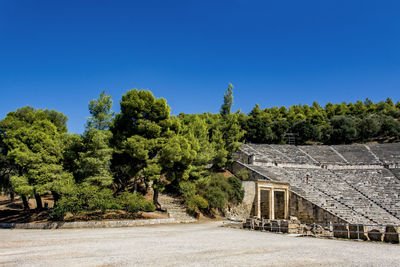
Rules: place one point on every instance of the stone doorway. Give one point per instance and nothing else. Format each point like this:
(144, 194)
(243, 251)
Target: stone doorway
(265, 203)
(272, 200)
(279, 204)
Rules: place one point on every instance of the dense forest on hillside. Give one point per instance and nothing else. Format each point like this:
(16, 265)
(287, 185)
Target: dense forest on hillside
(120, 158)
(343, 123)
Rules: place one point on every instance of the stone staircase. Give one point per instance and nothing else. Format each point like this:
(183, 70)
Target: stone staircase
(175, 209)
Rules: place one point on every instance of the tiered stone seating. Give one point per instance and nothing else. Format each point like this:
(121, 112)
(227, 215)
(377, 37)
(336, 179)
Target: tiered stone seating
(342, 180)
(381, 186)
(339, 190)
(387, 153)
(295, 155)
(356, 154)
(266, 153)
(396, 172)
(323, 154)
(296, 178)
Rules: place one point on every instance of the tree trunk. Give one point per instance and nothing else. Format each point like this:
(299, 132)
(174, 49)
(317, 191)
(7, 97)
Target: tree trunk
(56, 196)
(38, 199)
(12, 196)
(25, 202)
(135, 182)
(155, 199)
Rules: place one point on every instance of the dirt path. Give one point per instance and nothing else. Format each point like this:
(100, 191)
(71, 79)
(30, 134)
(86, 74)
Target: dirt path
(204, 244)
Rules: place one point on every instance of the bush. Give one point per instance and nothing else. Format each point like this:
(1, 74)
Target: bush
(84, 198)
(217, 198)
(212, 192)
(243, 174)
(135, 202)
(238, 192)
(343, 130)
(193, 201)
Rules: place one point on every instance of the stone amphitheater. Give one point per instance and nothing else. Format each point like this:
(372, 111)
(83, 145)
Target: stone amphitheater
(356, 184)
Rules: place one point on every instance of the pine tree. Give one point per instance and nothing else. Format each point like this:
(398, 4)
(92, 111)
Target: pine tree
(228, 101)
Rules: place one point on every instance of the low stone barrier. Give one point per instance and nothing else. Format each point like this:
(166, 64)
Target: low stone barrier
(392, 234)
(341, 230)
(91, 224)
(389, 233)
(358, 231)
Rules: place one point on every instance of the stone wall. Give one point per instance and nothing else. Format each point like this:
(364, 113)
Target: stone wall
(308, 212)
(91, 224)
(245, 209)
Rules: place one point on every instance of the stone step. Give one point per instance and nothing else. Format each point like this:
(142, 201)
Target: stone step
(175, 209)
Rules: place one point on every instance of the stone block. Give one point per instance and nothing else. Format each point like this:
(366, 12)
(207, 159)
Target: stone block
(392, 234)
(275, 226)
(375, 235)
(357, 231)
(341, 230)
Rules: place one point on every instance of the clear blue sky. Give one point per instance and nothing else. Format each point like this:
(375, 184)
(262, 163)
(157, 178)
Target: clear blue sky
(61, 54)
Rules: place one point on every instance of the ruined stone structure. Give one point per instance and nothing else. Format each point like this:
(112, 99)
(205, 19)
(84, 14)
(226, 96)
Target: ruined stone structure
(355, 184)
(272, 200)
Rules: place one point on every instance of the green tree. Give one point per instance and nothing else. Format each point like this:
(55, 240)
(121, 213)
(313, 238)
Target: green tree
(228, 101)
(140, 132)
(100, 109)
(35, 140)
(343, 130)
(94, 163)
(369, 127)
(95, 159)
(307, 132)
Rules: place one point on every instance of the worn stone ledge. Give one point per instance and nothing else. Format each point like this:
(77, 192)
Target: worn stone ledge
(91, 224)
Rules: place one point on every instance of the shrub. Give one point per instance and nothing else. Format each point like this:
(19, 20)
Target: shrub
(193, 201)
(217, 199)
(135, 202)
(212, 192)
(243, 174)
(238, 192)
(84, 198)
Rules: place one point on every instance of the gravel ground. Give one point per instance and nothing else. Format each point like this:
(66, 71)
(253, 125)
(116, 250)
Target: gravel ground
(204, 244)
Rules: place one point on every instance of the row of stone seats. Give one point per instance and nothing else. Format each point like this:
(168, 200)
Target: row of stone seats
(379, 185)
(323, 154)
(296, 178)
(339, 154)
(294, 153)
(266, 153)
(387, 153)
(341, 191)
(356, 154)
(396, 173)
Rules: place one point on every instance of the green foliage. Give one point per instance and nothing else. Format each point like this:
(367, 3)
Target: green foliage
(216, 198)
(307, 131)
(85, 198)
(237, 194)
(147, 144)
(333, 124)
(213, 192)
(243, 174)
(35, 141)
(100, 109)
(193, 200)
(228, 101)
(134, 202)
(95, 160)
(7, 169)
(343, 130)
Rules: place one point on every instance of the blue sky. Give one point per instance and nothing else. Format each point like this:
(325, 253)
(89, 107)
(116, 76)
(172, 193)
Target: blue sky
(61, 54)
